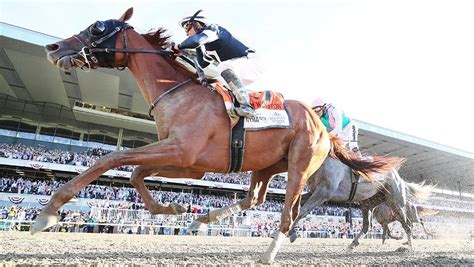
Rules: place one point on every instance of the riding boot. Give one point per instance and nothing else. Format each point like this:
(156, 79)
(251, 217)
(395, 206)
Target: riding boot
(237, 87)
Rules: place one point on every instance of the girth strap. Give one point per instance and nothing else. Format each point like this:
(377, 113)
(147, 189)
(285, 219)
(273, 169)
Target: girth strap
(355, 182)
(237, 146)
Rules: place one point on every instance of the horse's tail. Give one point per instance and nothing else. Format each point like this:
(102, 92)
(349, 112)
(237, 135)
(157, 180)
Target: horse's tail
(366, 165)
(423, 212)
(420, 191)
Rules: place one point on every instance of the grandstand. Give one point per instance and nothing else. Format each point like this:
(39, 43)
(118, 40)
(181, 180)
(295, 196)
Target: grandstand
(54, 124)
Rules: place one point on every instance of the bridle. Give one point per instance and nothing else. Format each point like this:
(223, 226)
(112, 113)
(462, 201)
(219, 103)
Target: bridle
(107, 55)
(87, 51)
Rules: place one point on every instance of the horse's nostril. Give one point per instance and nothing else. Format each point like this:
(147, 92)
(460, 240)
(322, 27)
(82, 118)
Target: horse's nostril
(52, 47)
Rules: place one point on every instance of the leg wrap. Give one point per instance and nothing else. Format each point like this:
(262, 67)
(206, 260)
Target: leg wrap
(219, 214)
(271, 252)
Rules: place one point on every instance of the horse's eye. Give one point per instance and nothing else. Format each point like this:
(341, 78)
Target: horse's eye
(98, 28)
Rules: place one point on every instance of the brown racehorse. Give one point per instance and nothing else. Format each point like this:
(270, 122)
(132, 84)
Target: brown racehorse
(384, 216)
(193, 129)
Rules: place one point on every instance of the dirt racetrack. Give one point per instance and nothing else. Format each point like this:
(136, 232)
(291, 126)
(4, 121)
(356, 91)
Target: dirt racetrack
(153, 250)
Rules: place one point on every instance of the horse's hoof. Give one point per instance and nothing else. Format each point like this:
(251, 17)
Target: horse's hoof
(351, 247)
(269, 256)
(293, 237)
(266, 259)
(178, 209)
(403, 249)
(197, 226)
(43, 222)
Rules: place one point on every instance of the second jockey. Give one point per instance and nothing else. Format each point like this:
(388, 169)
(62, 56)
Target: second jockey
(338, 123)
(215, 44)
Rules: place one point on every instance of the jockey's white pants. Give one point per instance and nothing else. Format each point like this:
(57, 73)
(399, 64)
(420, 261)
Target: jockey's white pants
(246, 68)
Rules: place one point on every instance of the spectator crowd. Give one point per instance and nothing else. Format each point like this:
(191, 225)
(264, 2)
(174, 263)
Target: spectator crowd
(89, 157)
(196, 203)
(20, 185)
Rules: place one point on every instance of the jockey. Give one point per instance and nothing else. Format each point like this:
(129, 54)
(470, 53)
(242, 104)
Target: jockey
(337, 123)
(214, 44)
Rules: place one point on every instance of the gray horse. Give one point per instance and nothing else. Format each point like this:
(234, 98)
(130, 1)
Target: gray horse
(334, 182)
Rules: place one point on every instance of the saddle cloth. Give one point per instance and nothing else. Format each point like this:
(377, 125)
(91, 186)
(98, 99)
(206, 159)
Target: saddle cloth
(269, 107)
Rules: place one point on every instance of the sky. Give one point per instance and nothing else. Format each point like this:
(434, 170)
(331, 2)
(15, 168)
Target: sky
(405, 65)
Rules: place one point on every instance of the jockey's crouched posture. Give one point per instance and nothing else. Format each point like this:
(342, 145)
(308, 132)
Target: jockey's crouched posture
(214, 44)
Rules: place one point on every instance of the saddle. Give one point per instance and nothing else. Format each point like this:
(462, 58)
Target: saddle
(270, 113)
(269, 107)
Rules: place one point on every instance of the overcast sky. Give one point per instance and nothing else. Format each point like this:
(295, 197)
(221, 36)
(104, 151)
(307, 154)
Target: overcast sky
(403, 65)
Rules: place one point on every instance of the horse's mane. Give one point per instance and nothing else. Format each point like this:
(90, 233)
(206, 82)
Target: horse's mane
(160, 40)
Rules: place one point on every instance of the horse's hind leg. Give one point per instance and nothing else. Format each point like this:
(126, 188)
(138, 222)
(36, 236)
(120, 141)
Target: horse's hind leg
(137, 180)
(390, 234)
(255, 196)
(428, 233)
(415, 218)
(400, 215)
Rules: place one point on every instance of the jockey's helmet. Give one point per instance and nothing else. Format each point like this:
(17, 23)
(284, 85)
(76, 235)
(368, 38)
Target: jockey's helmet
(198, 16)
(318, 102)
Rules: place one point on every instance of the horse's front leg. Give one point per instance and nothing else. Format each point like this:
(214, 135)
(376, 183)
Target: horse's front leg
(304, 158)
(256, 196)
(168, 152)
(365, 227)
(322, 193)
(49, 215)
(137, 180)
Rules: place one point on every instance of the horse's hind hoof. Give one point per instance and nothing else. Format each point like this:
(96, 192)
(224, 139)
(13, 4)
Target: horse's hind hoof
(293, 237)
(351, 247)
(178, 209)
(197, 226)
(43, 222)
(266, 260)
(403, 249)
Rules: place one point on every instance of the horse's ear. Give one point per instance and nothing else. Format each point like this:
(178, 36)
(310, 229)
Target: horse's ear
(127, 15)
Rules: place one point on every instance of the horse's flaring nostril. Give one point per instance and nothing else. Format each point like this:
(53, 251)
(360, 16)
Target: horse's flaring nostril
(52, 47)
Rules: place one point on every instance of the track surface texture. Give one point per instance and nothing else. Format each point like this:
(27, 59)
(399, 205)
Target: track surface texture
(77, 249)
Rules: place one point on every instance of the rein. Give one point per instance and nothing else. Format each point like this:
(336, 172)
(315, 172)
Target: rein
(131, 50)
(155, 102)
(88, 50)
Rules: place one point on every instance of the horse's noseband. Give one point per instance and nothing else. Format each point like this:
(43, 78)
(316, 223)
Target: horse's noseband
(100, 37)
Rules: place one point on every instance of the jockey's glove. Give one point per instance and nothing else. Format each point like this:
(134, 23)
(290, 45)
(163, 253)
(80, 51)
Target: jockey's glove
(175, 48)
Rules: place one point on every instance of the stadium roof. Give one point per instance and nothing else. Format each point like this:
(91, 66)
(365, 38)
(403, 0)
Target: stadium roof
(25, 74)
